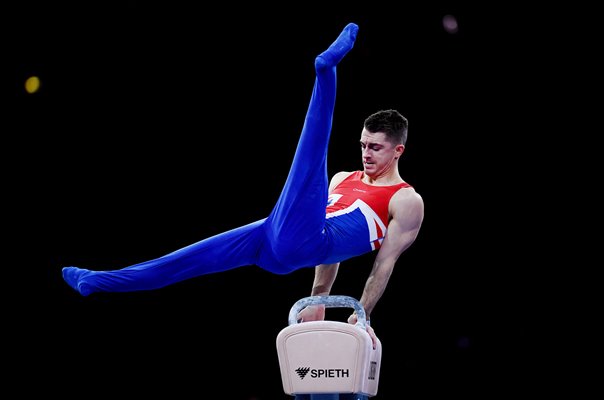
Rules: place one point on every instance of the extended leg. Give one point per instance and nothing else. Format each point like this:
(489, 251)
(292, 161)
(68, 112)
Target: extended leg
(231, 249)
(300, 211)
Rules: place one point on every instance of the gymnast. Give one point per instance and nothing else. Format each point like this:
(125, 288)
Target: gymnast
(315, 223)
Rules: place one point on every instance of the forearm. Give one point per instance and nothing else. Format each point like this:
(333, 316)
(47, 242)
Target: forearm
(325, 275)
(375, 286)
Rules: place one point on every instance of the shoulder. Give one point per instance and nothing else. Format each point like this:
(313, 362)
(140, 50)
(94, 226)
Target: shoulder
(338, 178)
(406, 203)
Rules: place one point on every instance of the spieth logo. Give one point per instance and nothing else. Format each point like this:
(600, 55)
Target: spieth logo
(302, 372)
(323, 373)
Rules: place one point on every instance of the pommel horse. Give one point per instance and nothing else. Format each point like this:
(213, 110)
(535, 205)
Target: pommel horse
(328, 357)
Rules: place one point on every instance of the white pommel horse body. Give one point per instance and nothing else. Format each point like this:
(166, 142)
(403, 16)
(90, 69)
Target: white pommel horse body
(328, 356)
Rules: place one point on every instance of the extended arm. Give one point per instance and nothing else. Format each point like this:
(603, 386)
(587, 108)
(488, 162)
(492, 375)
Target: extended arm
(407, 210)
(325, 275)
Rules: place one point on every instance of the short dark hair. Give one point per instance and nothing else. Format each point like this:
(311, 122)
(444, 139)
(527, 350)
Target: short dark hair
(390, 122)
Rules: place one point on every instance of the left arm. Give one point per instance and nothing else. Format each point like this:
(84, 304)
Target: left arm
(407, 211)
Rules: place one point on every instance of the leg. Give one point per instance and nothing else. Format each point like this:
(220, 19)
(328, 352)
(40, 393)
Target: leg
(300, 210)
(231, 249)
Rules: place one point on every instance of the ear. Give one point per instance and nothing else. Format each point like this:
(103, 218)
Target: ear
(399, 149)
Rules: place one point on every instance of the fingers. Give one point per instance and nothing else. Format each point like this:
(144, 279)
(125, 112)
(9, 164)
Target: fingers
(373, 337)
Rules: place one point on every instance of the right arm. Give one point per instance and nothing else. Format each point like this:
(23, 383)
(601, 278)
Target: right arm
(325, 276)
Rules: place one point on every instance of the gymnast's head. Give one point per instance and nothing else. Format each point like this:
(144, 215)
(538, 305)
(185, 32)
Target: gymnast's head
(383, 142)
(389, 122)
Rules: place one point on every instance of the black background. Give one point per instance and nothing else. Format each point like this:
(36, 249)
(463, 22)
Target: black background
(158, 125)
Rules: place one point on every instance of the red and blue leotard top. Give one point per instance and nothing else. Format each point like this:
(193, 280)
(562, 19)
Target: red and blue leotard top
(357, 216)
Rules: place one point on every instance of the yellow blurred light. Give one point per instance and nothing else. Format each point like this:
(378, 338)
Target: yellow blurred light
(32, 84)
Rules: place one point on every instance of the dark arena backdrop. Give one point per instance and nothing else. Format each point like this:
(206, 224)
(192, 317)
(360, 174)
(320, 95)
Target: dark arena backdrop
(155, 125)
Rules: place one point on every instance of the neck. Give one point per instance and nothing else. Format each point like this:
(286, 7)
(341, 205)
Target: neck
(390, 177)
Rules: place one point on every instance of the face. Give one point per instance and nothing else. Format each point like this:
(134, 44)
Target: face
(379, 155)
